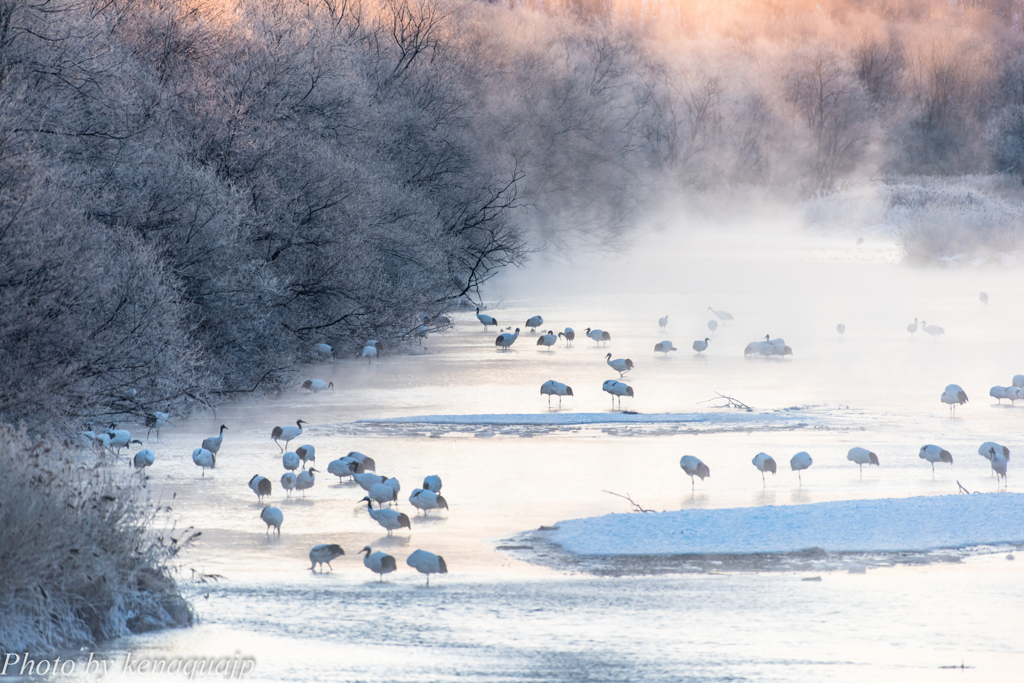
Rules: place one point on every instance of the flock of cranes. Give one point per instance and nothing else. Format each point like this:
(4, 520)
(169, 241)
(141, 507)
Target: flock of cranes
(356, 466)
(360, 469)
(953, 395)
(997, 455)
(615, 388)
(300, 472)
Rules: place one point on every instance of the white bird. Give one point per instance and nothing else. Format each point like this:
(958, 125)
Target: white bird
(616, 388)
(534, 322)
(764, 463)
(569, 335)
(506, 339)
(204, 459)
(212, 443)
(998, 393)
(291, 461)
(323, 554)
(367, 481)
(934, 454)
(143, 459)
(260, 485)
(620, 365)
(1018, 381)
(701, 345)
(990, 449)
(954, 396)
(1012, 393)
(984, 298)
(378, 562)
(712, 325)
(694, 466)
(119, 438)
(324, 350)
(424, 499)
(307, 454)
(548, 340)
(841, 329)
(318, 385)
(663, 322)
(485, 319)
(287, 433)
(912, 328)
(598, 335)
(394, 485)
(382, 493)
(155, 421)
(273, 517)
(427, 563)
(553, 388)
(389, 519)
(288, 480)
(345, 467)
(305, 480)
(721, 315)
(432, 483)
(369, 353)
(933, 330)
(999, 465)
(862, 456)
(800, 461)
(662, 347)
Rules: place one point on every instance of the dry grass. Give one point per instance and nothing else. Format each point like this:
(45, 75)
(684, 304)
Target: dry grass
(78, 561)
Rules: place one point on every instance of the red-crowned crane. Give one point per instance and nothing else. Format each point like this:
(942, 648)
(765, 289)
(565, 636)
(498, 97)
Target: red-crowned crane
(553, 388)
(934, 454)
(323, 554)
(862, 456)
(800, 461)
(427, 563)
(378, 562)
(485, 319)
(506, 339)
(694, 467)
(764, 463)
(620, 365)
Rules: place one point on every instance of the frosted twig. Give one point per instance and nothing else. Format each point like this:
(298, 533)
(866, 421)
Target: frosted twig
(730, 402)
(962, 489)
(636, 506)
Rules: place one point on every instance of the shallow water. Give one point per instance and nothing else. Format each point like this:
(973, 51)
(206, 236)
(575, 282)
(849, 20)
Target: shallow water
(510, 615)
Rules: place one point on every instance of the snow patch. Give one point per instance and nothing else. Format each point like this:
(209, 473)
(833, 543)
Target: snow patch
(856, 526)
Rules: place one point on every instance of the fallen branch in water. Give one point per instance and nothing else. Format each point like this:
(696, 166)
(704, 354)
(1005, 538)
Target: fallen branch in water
(730, 402)
(636, 506)
(962, 489)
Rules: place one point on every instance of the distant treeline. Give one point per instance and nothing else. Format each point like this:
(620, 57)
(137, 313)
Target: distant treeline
(193, 193)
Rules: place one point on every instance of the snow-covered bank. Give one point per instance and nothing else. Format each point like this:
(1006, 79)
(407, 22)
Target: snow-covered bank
(787, 417)
(886, 525)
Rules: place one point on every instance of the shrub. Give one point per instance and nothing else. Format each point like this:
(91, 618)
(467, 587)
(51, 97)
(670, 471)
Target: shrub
(78, 563)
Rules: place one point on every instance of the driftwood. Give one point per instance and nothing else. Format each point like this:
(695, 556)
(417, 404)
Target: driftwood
(730, 402)
(962, 489)
(636, 506)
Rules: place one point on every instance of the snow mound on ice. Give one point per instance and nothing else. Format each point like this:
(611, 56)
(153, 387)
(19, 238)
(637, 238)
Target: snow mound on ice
(886, 525)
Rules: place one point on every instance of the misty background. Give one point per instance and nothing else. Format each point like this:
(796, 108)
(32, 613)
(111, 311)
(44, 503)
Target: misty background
(193, 194)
